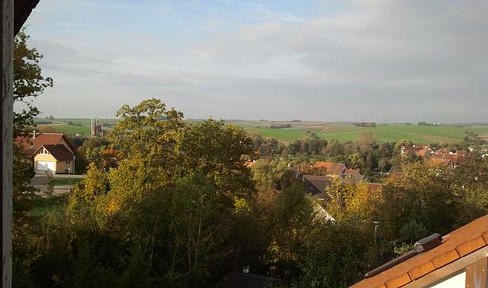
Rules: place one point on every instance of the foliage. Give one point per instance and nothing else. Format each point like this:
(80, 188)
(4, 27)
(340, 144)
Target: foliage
(334, 255)
(28, 238)
(166, 203)
(28, 82)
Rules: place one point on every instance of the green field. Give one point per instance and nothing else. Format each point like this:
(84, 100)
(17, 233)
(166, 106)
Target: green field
(69, 130)
(419, 134)
(66, 181)
(72, 126)
(384, 133)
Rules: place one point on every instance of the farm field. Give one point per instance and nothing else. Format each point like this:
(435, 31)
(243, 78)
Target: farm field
(384, 132)
(421, 134)
(71, 126)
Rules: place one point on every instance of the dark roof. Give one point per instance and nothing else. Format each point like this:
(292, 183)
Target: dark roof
(23, 9)
(244, 280)
(319, 183)
(353, 174)
(455, 245)
(60, 152)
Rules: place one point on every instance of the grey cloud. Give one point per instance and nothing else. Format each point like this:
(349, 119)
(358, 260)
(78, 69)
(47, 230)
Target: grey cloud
(378, 60)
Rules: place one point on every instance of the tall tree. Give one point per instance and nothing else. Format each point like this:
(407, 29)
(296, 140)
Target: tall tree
(28, 82)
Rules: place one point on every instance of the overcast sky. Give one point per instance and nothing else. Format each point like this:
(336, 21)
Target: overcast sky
(326, 60)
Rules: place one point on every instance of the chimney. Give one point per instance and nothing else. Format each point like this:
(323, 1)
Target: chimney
(34, 134)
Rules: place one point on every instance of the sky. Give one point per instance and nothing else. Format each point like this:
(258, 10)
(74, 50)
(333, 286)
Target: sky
(315, 60)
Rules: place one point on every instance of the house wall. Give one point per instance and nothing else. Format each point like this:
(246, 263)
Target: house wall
(45, 157)
(62, 167)
(456, 281)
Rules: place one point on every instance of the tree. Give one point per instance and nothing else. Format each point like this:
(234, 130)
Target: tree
(146, 130)
(218, 151)
(28, 82)
(421, 194)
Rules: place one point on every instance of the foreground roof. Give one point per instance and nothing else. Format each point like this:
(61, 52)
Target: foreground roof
(454, 247)
(23, 9)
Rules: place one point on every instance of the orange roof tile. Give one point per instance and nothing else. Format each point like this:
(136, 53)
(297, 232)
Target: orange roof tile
(455, 245)
(31, 145)
(331, 168)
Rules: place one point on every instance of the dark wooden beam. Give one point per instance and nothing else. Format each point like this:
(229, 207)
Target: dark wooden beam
(6, 86)
(23, 9)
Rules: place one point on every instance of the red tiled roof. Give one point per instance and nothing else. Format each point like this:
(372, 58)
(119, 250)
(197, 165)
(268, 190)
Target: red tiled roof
(441, 151)
(420, 148)
(454, 246)
(249, 164)
(421, 153)
(32, 145)
(59, 151)
(462, 153)
(331, 168)
(454, 158)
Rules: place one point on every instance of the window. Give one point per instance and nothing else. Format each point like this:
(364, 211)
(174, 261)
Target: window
(68, 162)
(44, 151)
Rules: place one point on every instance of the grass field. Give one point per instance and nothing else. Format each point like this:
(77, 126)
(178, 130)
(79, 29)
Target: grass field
(72, 126)
(384, 133)
(66, 181)
(69, 130)
(343, 132)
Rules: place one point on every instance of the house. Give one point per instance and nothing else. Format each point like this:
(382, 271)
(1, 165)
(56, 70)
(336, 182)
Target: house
(51, 152)
(458, 259)
(339, 170)
(316, 185)
(332, 169)
(353, 175)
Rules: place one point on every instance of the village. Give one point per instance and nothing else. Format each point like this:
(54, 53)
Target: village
(350, 151)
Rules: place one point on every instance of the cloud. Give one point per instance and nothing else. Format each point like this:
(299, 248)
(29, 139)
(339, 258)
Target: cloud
(372, 61)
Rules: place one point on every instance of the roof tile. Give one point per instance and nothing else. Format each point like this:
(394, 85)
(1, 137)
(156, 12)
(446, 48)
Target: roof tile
(419, 271)
(445, 258)
(331, 168)
(485, 237)
(398, 281)
(470, 246)
(465, 239)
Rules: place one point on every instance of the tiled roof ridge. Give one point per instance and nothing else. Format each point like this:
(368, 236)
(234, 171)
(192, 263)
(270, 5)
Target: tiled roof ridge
(455, 245)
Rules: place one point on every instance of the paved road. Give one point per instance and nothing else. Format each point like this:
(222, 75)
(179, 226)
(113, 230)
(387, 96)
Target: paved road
(40, 181)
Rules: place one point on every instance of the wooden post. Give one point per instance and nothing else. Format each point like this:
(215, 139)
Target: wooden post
(6, 123)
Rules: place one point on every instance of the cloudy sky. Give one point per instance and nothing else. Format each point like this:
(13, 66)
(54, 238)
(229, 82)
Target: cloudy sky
(326, 60)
